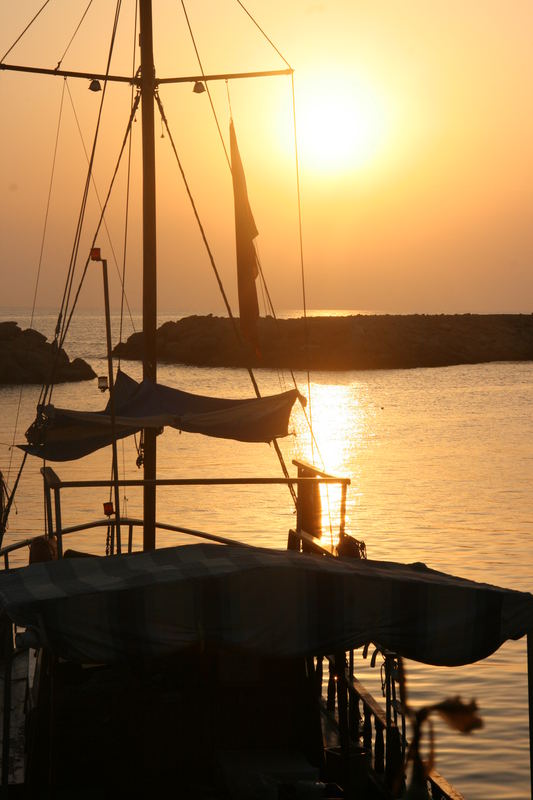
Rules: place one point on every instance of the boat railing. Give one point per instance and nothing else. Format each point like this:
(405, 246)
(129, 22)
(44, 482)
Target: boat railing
(440, 788)
(125, 522)
(369, 731)
(308, 484)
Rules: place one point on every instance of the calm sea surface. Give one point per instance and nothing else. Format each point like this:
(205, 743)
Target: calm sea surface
(441, 464)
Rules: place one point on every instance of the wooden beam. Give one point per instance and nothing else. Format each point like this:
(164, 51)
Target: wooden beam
(136, 81)
(63, 73)
(230, 76)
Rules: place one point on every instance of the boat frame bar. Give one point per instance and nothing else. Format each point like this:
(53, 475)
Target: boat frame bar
(136, 80)
(55, 529)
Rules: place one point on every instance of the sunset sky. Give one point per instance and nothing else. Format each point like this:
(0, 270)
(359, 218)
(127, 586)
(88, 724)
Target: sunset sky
(415, 124)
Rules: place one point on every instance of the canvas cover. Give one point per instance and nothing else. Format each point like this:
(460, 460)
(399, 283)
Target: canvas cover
(68, 434)
(266, 601)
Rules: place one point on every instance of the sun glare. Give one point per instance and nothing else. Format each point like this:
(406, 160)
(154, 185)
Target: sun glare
(341, 124)
(340, 426)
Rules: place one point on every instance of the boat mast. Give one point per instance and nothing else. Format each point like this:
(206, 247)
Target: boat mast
(147, 85)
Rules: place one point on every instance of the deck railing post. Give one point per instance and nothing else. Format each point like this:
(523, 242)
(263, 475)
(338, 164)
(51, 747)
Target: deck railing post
(330, 702)
(342, 524)
(48, 506)
(354, 717)
(367, 727)
(3, 504)
(529, 639)
(388, 690)
(59, 532)
(379, 747)
(342, 701)
(308, 503)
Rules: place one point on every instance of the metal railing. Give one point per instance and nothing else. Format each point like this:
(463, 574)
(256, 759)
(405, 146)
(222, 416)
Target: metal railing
(308, 482)
(377, 733)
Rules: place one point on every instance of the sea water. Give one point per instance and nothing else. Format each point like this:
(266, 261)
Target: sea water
(441, 469)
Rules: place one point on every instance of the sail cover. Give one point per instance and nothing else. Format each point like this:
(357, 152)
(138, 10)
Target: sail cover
(65, 434)
(264, 601)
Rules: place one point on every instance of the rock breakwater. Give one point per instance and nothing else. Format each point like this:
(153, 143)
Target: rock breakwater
(345, 343)
(26, 357)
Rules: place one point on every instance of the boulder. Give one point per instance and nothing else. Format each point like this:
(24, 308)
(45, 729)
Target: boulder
(27, 357)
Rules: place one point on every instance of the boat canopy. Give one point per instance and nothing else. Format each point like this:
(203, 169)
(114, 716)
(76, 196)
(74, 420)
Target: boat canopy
(62, 434)
(282, 603)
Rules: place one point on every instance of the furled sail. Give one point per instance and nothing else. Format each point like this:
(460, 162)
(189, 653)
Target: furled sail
(245, 233)
(61, 434)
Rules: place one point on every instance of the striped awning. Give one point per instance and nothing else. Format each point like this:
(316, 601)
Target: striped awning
(264, 601)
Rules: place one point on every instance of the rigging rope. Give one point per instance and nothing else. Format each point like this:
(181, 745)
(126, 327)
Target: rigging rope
(302, 270)
(11, 496)
(74, 34)
(125, 247)
(104, 208)
(61, 326)
(68, 318)
(259, 28)
(206, 84)
(270, 305)
(7, 509)
(264, 285)
(77, 238)
(127, 210)
(298, 192)
(97, 194)
(218, 278)
(48, 201)
(39, 266)
(28, 26)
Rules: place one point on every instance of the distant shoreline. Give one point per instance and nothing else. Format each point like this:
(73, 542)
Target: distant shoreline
(362, 341)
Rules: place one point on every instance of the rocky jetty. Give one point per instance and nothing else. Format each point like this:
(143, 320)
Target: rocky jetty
(26, 357)
(342, 343)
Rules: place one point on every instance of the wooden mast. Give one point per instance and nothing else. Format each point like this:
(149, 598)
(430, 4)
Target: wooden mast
(149, 257)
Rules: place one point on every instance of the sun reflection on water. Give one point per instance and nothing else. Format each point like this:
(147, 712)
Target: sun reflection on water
(341, 420)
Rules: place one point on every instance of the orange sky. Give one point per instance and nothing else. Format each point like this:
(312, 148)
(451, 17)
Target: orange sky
(415, 129)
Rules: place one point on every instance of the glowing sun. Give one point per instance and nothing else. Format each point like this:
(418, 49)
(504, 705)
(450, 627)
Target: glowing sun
(341, 124)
